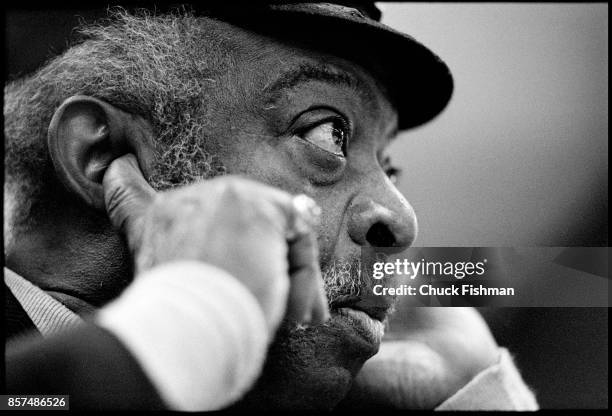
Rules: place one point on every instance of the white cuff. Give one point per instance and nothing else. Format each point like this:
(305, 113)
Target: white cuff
(197, 332)
(499, 387)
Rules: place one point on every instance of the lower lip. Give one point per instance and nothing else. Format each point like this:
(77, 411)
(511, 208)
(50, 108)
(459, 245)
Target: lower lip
(371, 329)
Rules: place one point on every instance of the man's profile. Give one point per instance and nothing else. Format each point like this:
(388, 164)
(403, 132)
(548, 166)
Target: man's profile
(156, 162)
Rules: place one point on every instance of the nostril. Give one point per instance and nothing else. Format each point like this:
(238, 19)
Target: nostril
(379, 235)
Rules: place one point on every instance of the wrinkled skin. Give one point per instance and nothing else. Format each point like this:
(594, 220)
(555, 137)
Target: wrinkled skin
(262, 136)
(314, 368)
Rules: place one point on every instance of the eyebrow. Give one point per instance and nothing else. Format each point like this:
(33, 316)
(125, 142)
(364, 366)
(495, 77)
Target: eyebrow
(318, 72)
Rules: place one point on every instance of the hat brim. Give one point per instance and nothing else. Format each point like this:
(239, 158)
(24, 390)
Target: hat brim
(419, 82)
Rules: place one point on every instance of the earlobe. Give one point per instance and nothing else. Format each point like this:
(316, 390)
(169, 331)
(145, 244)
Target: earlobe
(85, 135)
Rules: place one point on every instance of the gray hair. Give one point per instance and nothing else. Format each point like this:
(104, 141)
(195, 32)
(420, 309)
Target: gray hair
(158, 67)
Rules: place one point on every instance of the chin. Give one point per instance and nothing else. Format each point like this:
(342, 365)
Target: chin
(309, 369)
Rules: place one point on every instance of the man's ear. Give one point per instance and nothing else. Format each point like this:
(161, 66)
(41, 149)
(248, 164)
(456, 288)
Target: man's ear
(85, 135)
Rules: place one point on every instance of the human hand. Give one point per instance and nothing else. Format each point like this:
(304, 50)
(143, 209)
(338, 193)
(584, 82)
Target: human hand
(437, 352)
(251, 230)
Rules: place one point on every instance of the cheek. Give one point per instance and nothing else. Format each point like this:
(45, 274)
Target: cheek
(332, 222)
(274, 166)
(332, 232)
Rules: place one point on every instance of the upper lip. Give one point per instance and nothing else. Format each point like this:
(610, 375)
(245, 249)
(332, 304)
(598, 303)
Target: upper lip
(375, 311)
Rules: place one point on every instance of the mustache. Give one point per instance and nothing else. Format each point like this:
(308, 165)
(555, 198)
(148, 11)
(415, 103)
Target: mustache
(348, 279)
(343, 278)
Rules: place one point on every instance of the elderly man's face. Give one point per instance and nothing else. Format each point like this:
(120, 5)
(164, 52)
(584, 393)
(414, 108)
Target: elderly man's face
(315, 124)
(306, 122)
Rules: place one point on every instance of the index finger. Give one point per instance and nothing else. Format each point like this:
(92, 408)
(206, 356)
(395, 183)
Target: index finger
(127, 195)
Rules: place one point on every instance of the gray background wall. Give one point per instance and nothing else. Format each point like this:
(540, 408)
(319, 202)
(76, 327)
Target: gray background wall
(520, 156)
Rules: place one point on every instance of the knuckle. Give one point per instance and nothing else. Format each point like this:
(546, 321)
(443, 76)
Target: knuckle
(114, 199)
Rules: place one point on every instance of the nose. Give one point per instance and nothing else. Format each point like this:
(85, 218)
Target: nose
(382, 219)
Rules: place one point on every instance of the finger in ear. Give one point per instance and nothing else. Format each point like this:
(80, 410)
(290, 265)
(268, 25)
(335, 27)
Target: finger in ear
(85, 135)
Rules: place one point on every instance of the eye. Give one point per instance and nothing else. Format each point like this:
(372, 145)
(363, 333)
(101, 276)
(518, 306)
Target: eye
(331, 136)
(393, 172)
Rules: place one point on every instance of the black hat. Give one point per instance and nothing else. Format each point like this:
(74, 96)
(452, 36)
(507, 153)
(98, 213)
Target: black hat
(419, 83)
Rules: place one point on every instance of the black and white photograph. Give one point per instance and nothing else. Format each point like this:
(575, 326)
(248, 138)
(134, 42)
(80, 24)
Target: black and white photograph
(305, 207)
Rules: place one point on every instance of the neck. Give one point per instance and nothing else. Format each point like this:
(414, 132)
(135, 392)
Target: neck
(82, 269)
